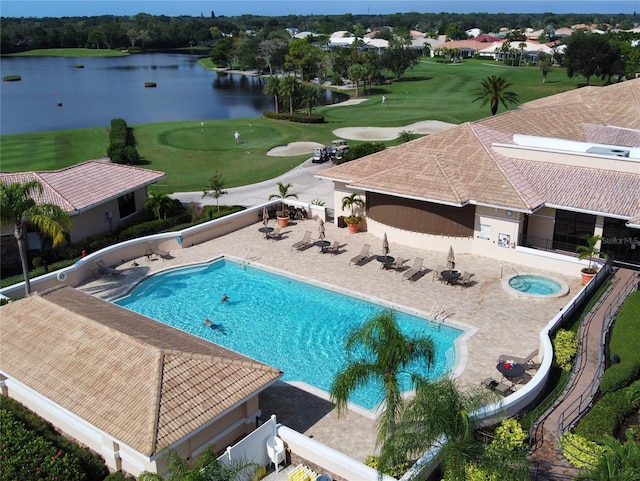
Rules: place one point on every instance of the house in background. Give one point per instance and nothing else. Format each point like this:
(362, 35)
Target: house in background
(126, 386)
(522, 186)
(96, 194)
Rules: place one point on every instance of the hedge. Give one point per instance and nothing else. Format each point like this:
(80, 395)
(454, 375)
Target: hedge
(62, 454)
(624, 344)
(609, 413)
(295, 117)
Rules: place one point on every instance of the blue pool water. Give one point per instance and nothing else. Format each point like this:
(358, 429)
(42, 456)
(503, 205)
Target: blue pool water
(293, 326)
(534, 285)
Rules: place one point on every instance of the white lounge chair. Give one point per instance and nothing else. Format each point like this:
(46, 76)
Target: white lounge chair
(154, 249)
(527, 362)
(416, 270)
(364, 254)
(305, 242)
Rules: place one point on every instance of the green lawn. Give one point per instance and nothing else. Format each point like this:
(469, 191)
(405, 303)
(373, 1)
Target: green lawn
(190, 153)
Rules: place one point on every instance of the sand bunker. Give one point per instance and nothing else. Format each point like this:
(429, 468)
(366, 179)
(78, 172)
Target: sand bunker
(390, 133)
(294, 148)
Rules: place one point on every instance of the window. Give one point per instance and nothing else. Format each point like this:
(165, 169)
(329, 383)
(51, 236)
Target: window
(570, 227)
(127, 205)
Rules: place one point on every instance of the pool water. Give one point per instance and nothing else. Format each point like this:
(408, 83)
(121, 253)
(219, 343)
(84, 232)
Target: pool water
(293, 326)
(535, 285)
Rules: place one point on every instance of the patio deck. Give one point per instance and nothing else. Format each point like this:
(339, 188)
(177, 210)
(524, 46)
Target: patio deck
(496, 322)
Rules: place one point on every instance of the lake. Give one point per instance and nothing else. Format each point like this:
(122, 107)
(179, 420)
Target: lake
(113, 87)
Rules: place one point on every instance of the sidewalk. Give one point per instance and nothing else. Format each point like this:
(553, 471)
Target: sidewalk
(547, 461)
(305, 185)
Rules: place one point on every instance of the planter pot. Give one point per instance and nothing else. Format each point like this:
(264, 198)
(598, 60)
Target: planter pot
(353, 228)
(586, 277)
(283, 221)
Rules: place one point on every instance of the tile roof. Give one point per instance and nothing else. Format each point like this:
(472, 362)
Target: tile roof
(82, 186)
(460, 166)
(142, 382)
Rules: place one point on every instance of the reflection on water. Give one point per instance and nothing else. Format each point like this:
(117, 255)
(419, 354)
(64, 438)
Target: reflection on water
(113, 87)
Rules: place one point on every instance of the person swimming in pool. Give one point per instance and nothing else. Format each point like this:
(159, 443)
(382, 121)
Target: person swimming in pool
(224, 299)
(213, 325)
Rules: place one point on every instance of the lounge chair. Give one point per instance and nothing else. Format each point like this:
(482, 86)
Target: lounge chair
(527, 362)
(437, 274)
(397, 265)
(466, 279)
(415, 270)
(305, 242)
(364, 254)
(104, 270)
(154, 249)
(332, 249)
(276, 234)
(497, 386)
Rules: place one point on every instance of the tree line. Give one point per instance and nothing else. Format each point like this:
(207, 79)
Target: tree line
(152, 32)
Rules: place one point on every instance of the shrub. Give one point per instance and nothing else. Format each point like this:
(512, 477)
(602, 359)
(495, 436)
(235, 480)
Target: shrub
(623, 342)
(565, 347)
(295, 117)
(609, 413)
(580, 452)
(509, 435)
(91, 465)
(361, 150)
(11, 78)
(396, 471)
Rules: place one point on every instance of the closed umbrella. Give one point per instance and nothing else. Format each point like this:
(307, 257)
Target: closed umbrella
(385, 245)
(451, 259)
(265, 216)
(321, 229)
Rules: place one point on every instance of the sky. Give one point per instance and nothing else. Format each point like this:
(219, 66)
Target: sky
(81, 8)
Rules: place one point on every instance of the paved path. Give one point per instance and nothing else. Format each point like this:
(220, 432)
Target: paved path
(547, 461)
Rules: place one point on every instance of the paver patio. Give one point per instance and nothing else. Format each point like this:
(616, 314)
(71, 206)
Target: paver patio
(495, 321)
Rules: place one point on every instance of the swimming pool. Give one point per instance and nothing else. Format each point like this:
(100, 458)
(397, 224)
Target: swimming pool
(291, 325)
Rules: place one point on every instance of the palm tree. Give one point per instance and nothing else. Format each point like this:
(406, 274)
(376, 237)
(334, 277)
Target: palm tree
(618, 461)
(352, 201)
(439, 417)
(378, 350)
(283, 194)
(273, 86)
(289, 88)
(159, 203)
(207, 468)
(310, 96)
(17, 206)
(493, 90)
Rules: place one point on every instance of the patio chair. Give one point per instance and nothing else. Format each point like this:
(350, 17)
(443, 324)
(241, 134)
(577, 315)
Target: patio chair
(276, 452)
(154, 249)
(466, 279)
(332, 249)
(104, 270)
(276, 234)
(364, 255)
(527, 362)
(304, 243)
(437, 274)
(497, 386)
(397, 265)
(416, 270)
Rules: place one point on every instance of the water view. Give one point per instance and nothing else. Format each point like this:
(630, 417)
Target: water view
(107, 88)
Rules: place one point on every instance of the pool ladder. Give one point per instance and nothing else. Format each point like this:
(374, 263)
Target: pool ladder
(502, 271)
(246, 259)
(438, 314)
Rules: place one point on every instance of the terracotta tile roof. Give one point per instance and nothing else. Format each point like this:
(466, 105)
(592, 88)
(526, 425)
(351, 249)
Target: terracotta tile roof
(460, 166)
(81, 186)
(142, 382)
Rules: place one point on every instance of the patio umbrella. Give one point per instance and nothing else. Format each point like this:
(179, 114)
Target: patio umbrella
(451, 259)
(265, 216)
(385, 245)
(321, 229)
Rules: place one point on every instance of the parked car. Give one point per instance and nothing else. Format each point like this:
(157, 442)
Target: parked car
(338, 148)
(320, 154)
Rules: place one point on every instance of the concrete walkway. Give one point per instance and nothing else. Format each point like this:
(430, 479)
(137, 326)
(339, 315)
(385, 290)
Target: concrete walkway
(547, 461)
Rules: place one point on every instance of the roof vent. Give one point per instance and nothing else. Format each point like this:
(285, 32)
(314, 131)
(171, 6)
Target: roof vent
(608, 151)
